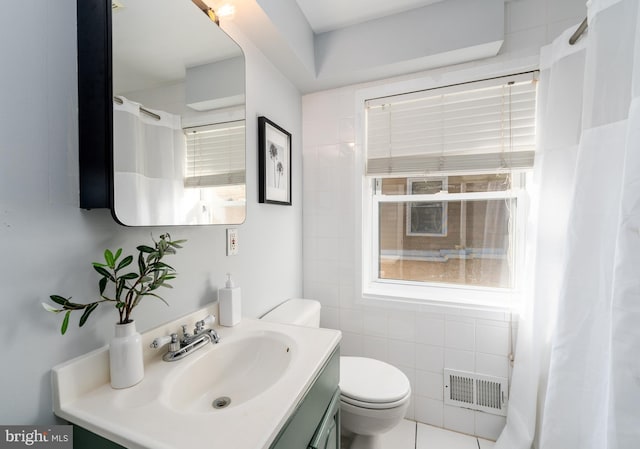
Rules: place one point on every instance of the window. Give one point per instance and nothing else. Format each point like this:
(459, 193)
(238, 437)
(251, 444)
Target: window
(215, 155)
(445, 177)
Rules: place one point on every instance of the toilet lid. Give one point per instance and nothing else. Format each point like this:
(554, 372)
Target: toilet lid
(372, 381)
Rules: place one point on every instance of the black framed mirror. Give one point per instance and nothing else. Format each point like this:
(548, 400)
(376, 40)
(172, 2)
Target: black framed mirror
(161, 93)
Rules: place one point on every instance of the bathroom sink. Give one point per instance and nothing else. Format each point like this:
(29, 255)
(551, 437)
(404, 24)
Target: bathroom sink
(264, 368)
(234, 371)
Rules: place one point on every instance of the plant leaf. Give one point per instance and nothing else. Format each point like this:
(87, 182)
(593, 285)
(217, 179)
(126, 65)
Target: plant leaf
(115, 257)
(65, 322)
(104, 273)
(159, 265)
(90, 308)
(177, 243)
(120, 287)
(130, 276)
(59, 299)
(98, 264)
(145, 249)
(48, 308)
(126, 261)
(108, 257)
(141, 265)
(102, 284)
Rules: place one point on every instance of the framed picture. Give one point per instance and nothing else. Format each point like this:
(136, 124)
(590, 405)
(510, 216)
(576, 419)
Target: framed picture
(274, 163)
(427, 219)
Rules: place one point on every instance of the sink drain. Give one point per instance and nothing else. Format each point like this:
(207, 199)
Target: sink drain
(221, 402)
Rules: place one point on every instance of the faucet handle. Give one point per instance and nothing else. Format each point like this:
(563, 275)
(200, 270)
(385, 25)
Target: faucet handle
(185, 332)
(209, 319)
(161, 341)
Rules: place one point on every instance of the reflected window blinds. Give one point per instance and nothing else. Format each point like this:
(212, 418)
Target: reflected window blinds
(215, 155)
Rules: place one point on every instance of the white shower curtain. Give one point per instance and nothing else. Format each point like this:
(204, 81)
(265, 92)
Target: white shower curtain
(576, 380)
(148, 165)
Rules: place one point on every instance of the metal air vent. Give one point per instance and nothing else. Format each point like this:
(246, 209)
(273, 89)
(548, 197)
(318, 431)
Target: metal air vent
(476, 391)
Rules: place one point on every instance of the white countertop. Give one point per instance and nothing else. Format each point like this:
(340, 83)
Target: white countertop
(142, 416)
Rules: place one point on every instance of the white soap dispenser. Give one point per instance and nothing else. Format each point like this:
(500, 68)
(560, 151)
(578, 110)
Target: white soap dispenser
(229, 303)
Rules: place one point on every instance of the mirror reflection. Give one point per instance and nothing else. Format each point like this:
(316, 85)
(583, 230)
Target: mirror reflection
(179, 116)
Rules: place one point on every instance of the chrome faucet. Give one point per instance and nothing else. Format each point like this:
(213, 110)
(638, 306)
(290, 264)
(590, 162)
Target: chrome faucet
(189, 343)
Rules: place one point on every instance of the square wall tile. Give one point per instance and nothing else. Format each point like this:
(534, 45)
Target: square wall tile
(489, 426)
(492, 339)
(375, 322)
(492, 365)
(429, 330)
(351, 320)
(402, 326)
(459, 335)
(402, 353)
(430, 358)
(330, 317)
(375, 347)
(429, 411)
(459, 360)
(429, 384)
(459, 419)
(351, 344)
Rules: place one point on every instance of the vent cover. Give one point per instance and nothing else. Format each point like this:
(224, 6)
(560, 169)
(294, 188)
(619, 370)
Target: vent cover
(476, 391)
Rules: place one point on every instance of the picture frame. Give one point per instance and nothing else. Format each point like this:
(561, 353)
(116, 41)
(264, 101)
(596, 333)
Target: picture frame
(274, 163)
(427, 219)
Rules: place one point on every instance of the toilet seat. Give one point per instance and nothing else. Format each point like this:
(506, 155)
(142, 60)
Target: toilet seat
(372, 384)
(373, 405)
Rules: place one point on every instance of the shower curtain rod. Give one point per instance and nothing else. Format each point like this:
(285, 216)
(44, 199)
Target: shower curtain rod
(143, 110)
(581, 29)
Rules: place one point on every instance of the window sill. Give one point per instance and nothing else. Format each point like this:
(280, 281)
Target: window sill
(441, 297)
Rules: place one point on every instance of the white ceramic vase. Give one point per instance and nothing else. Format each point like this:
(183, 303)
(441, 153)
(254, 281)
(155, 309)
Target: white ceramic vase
(125, 356)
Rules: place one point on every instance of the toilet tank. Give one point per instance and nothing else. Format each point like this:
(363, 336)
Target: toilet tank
(301, 312)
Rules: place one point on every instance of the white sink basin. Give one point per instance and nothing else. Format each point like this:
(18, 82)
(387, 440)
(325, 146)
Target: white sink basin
(264, 368)
(230, 373)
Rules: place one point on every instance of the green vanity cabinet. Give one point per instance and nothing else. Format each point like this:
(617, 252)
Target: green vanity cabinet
(315, 424)
(85, 439)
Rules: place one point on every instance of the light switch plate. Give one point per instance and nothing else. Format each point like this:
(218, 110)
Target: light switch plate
(232, 242)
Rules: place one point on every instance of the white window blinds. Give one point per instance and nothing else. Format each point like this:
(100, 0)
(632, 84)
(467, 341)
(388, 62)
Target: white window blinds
(215, 155)
(481, 126)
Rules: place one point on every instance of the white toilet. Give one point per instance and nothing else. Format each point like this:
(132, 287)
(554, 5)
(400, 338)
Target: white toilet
(374, 395)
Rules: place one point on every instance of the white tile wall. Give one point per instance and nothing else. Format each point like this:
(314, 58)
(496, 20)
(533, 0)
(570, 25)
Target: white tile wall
(420, 342)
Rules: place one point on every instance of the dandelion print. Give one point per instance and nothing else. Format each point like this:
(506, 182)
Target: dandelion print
(280, 169)
(273, 155)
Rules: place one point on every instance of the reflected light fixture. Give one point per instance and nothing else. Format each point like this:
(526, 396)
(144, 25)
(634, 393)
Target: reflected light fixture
(226, 10)
(208, 11)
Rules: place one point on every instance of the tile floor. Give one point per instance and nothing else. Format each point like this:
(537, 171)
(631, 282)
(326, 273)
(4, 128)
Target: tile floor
(412, 435)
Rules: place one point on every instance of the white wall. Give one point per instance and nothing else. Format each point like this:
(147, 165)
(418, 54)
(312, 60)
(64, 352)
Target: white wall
(421, 341)
(48, 243)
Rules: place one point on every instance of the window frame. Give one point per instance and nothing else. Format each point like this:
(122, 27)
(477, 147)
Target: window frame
(458, 295)
(407, 293)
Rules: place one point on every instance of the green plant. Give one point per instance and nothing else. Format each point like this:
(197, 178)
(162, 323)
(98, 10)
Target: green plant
(152, 274)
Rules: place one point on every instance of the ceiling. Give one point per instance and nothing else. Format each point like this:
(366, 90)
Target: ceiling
(329, 15)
